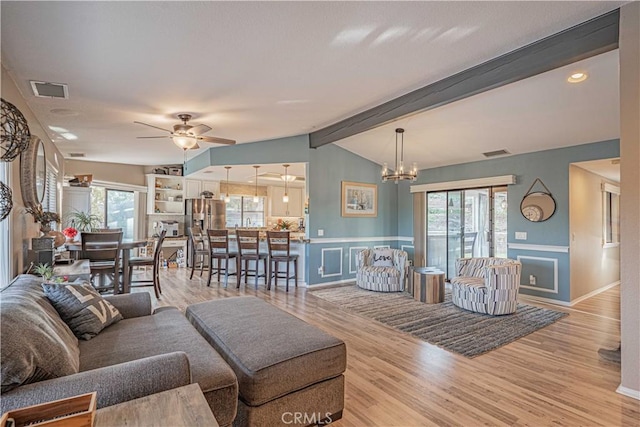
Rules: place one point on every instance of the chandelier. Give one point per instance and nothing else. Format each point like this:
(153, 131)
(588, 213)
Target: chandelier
(399, 173)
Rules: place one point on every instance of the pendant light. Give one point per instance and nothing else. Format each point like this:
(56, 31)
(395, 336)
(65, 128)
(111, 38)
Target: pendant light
(285, 198)
(399, 173)
(255, 196)
(227, 199)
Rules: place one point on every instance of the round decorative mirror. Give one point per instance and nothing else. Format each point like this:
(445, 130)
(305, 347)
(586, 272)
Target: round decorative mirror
(538, 206)
(33, 173)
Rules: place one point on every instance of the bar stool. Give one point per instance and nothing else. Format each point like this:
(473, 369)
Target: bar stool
(199, 250)
(249, 250)
(219, 250)
(279, 243)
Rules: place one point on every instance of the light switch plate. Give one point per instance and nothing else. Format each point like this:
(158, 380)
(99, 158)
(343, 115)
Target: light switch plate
(521, 235)
(320, 232)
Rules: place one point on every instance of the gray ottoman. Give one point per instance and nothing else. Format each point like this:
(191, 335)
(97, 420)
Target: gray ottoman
(287, 369)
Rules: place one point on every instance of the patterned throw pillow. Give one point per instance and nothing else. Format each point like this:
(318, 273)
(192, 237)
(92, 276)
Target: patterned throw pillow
(382, 258)
(82, 308)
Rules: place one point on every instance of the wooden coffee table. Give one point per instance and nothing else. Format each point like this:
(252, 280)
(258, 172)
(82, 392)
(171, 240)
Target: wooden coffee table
(183, 406)
(79, 269)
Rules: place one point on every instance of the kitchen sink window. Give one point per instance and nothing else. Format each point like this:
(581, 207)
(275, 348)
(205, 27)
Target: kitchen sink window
(242, 211)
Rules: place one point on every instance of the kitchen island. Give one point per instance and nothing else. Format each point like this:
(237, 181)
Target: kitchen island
(298, 246)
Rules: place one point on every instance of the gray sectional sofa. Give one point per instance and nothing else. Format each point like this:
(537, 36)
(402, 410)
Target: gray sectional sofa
(142, 354)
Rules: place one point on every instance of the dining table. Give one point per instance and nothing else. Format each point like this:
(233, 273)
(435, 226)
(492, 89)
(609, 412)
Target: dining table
(125, 247)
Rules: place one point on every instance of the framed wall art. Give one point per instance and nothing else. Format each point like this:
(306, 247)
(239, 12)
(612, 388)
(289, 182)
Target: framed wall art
(359, 199)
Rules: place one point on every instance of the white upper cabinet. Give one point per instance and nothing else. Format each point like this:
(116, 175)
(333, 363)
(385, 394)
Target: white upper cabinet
(193, 188)
(279, 208)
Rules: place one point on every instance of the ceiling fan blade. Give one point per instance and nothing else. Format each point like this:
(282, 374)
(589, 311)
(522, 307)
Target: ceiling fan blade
(146, 137)
(152, 126)
(216, 140)
(199, 129)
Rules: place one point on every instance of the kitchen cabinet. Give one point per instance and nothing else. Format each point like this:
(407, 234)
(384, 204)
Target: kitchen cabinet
(165, 194)
(75, 199)
(193, 188)
(212, 186)
(279, 208)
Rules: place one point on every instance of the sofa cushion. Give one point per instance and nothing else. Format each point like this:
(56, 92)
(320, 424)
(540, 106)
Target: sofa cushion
(382, 258)
(475, 284)
(163, 332)
(272, 352)
(36, 343)
(81, 307)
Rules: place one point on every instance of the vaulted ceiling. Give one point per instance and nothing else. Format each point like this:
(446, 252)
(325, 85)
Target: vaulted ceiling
(261, 70)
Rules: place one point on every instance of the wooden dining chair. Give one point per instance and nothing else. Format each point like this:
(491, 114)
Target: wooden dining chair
(103, 252)
(219, 250)
(279, 244)
(249, 250)
(148, 261)
(199, 249)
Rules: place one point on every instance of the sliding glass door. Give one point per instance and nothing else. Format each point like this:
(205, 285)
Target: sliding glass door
(464, 224)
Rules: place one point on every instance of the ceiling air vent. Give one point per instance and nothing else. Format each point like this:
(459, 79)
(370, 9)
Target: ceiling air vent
(76, 154)
(50, 90)
(495, 153)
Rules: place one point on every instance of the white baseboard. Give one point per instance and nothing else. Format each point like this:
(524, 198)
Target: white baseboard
(635, 394)
(596, 292)
(542, 299)
(331, 284)
(572, 303)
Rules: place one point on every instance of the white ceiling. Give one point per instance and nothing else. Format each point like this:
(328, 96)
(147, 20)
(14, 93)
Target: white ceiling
(257, 70)
(247, 174)
(538, 113)
(608, 168)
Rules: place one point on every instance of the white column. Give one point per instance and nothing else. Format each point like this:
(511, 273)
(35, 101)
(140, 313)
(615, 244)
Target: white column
(630, 198)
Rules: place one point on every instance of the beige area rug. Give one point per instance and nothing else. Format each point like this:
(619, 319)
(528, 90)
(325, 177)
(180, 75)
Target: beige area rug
(445, 325)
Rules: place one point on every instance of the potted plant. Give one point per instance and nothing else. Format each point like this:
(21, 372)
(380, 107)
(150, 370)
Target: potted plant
(45, 218)
(44, 270)
(84, 221)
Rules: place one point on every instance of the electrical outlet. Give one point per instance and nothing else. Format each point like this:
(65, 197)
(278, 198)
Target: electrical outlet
(320, 269)
(320, 232)
(521, 235)
(532, 279)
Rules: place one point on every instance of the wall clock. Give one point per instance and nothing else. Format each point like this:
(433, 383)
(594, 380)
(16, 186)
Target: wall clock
(33, 173)
(532, 213)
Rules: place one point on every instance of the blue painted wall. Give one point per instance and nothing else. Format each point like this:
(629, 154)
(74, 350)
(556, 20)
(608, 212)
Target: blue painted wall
(328, 167)
(552, 167)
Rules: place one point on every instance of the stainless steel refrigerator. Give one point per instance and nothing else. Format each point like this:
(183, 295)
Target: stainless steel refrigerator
(205, 213)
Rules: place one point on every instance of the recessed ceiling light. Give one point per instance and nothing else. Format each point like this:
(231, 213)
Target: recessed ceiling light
(577, 77)
(69, 136)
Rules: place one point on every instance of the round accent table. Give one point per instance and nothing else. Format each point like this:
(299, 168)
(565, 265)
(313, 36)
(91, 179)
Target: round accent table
(426, 284)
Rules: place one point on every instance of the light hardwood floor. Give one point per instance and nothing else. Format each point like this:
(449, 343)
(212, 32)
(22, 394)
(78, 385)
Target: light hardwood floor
(550, 377)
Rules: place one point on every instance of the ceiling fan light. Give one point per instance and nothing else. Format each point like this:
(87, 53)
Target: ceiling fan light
(185, 142)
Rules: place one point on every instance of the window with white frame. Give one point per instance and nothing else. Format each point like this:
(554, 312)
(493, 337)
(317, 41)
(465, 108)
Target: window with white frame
(50, 199)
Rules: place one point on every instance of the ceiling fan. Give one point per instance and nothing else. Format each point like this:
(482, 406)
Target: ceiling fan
(187, 136)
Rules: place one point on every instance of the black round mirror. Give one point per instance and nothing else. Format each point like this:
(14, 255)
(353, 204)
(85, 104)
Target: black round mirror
(538, 206)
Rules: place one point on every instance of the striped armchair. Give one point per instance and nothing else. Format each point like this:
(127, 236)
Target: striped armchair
(486, 285)
(381, 279)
